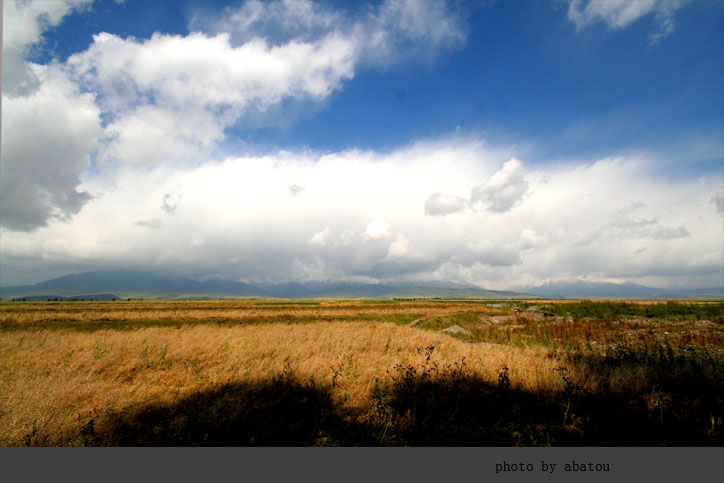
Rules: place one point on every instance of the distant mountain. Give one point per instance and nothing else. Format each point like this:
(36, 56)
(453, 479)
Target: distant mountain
(580, 289)
(289, 290)
(703, 293)
(122, 284)
(154, 285)
(432, 292)
(132, 283)
(449, 284)
(345, 290)
(99, 297)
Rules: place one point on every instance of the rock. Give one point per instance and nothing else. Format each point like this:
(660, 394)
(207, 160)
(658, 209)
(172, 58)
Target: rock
(456, 329)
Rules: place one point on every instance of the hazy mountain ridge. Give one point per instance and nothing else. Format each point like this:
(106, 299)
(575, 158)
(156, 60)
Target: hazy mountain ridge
(149, 284)
(139, 281)
(101, 297)
(121, 284)
(580, 289)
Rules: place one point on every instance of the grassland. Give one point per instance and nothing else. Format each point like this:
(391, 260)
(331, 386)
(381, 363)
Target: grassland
(391, 373)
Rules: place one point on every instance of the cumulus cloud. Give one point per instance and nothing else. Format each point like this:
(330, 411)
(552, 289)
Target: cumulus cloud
(439, 204)
(529, 239)
(23, 25)
(320, 237)
(410, 28)
(157, 135)
(168, 101)
(295, 189)
(153, 223)
(503, 190)
(207, 71)
(621, 13)
(170, 201)
(47, 140)
(383, 34)
(377, 230)
(399, 248)
(667, 233)
(650, 228)
(240, 209)
(718, 201)
(49, 128)
(485, 252)
(171, 97)
(623, 220)
(276, 20)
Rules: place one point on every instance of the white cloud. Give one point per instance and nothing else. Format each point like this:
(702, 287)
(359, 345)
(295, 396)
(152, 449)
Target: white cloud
(171, 97)
(649, 228)
(47, 140)
(208, 71)
(240, 208)
(49, 128)
(428, 21)
(665, 22)
(153, 223)
(503, 190)
(276, 20)
(295, 190)
(409, 28)
(718, 201)
(23, 25)
(485, 252)
(168, 101)
(392, 31)
(622, 13)
(320, 237)
(439, 204)
(153, 135)
(377, 230)
(399, 248)
(667, 233)
(530, 239)
(170, 201)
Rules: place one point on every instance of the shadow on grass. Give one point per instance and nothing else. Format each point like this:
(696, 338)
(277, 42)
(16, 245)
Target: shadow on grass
(679, 400)
(429, 405)
(283, 411)
(424, 405)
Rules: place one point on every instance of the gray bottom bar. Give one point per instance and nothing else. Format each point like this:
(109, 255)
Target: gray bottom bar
(440, 465)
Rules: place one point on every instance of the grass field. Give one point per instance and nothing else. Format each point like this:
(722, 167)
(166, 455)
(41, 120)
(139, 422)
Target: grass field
(331, 373)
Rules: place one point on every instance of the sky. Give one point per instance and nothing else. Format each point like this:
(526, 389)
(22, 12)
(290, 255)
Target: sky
(504, 144)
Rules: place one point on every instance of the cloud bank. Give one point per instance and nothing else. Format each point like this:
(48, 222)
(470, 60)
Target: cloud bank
(111, 159)
(170, 99)
(365, 215)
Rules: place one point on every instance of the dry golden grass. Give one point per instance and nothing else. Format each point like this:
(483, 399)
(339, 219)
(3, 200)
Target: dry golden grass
(53, 382)
(56, 377)
(55, 312)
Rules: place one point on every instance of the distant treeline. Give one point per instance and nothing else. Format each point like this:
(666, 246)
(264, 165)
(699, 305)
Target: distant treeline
(73, 298)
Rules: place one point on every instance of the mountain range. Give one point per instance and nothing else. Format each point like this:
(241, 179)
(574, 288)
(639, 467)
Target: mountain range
(123, 284)
(580, 289)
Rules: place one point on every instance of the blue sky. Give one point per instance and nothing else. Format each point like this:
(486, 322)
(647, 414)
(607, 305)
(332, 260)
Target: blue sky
(524, 69)
(498, 143)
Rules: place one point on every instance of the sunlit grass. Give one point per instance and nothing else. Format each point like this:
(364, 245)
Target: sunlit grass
(359, 373)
